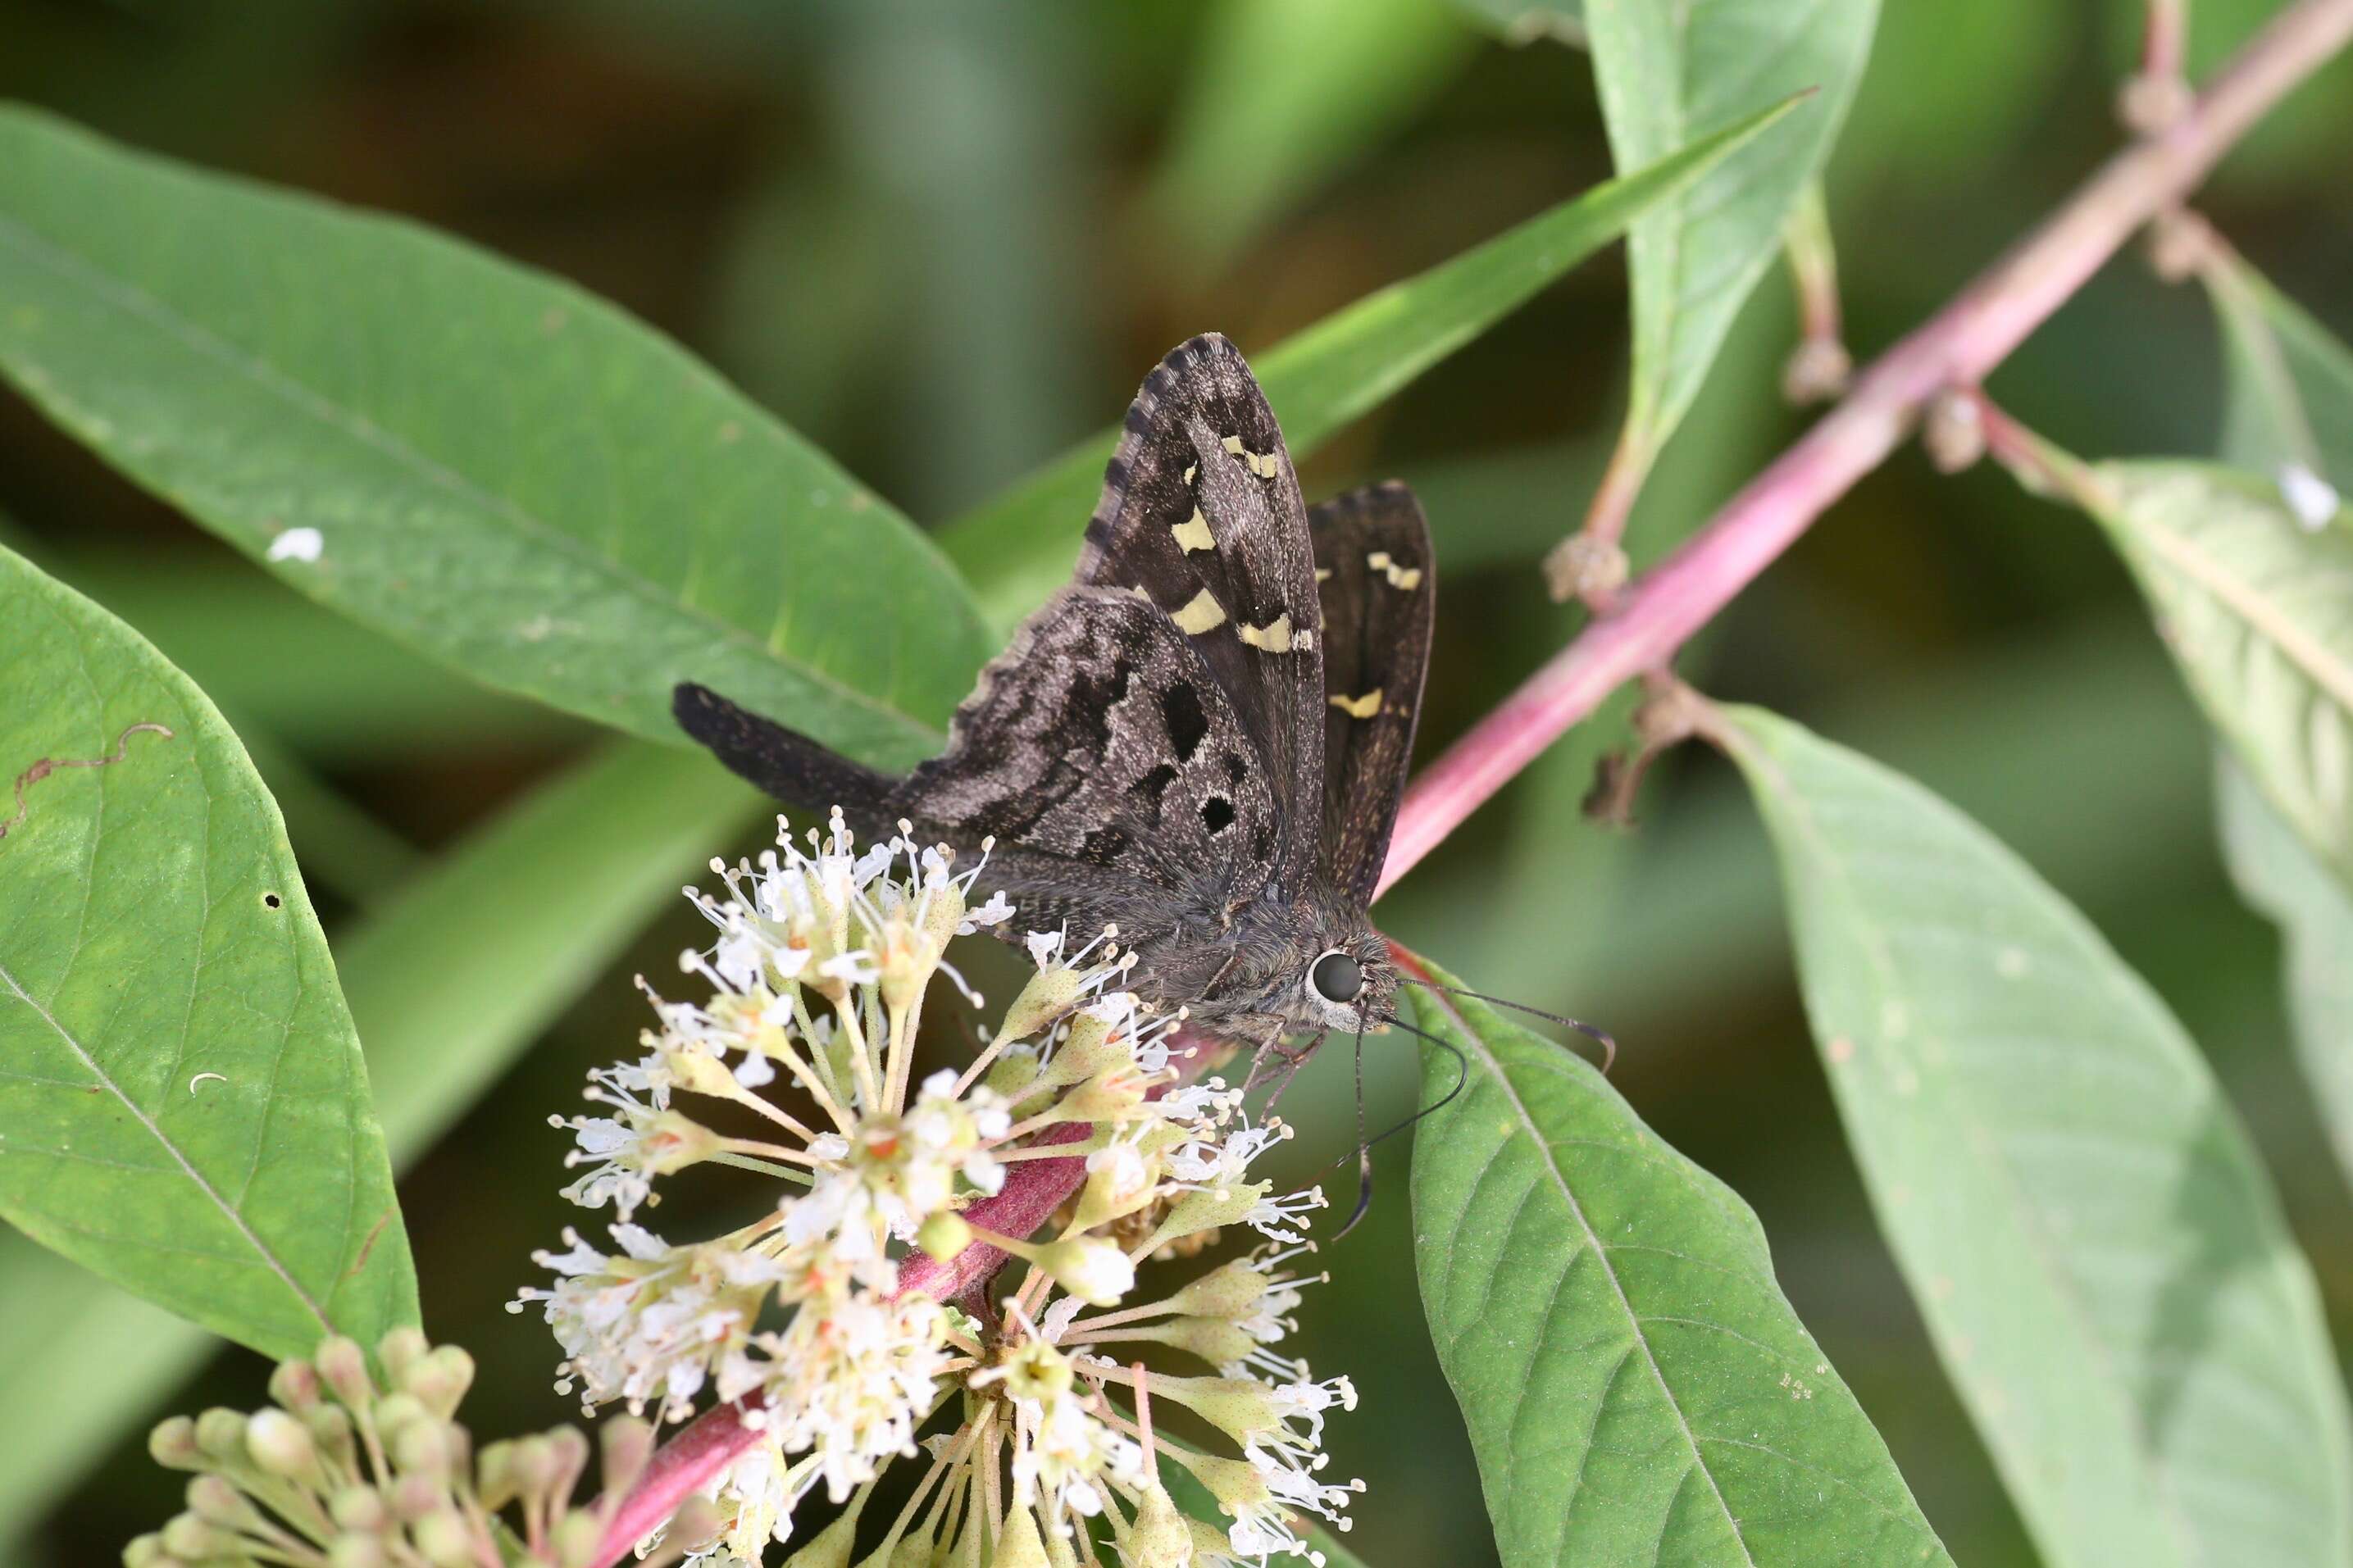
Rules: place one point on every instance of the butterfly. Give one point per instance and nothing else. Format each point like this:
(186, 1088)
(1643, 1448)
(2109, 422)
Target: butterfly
(1202, 740)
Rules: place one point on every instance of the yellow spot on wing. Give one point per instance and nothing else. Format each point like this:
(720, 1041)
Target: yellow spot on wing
(1362, 707)
(1203, 614)
(1275, 637)
(1191, 469)
(1405, 577)
(1262, 464)
(1193, 534)
(1323, 574)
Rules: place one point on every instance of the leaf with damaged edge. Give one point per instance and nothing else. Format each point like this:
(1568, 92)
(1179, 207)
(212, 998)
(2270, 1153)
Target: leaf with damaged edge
(450, 980)
(182, 1105)
(1018, 548)
(1637, 1392)
(2080, 1217)
(489, 464)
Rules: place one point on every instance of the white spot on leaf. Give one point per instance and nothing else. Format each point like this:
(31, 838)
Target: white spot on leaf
(216, 1077)
(2312, 498)
(297, 545)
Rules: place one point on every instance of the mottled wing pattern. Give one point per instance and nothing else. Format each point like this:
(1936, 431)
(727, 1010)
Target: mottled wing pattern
(1201, 515)
(1375, 572)
(1102, 754)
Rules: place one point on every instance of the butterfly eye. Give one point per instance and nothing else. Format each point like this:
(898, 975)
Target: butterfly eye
(1337, 977)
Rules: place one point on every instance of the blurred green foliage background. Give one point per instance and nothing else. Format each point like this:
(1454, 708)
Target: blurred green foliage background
(945, 240)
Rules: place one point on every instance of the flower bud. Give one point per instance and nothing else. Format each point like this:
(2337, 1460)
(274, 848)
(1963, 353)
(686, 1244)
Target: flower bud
(1211, 1209)
(699, 1072)
(401, 1349)
(570, 1450)
(358, 1509)
(494, 1478)
(1019, 1545)
(421, 1447)
(1230, 1290)
(358, 1552)
(830, 1547)
(444, 1539)
(1013, 1073)
(188, 1536)
(148, 1552)
(414, 1497)
(943, 1235)
(343, 1366)
(626, 1444)
(691, 1528)
(394, 1410)
(295, 1384)
(1158, 1537)
(1216, 1341)
(281, 1445)
(215, 1501)
(1051, 992)
(173, 1445)
(329, 1426)
(576, 1540)
(221, 1434)
(1093, 1269)
(440, 1379)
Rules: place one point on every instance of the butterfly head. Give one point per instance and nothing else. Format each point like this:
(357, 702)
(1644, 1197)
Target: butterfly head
(1350, 985)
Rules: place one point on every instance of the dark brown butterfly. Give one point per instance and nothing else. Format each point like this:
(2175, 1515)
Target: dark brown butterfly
(1202, 738)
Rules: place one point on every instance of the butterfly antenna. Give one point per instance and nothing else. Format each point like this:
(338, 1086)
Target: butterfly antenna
(1601, 1037)
(1364, 1146)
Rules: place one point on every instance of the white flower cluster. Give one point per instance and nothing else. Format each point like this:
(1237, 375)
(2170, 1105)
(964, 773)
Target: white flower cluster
(818, 975)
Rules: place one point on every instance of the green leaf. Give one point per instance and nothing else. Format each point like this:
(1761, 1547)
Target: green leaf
(2257, 610)
(502, 472)
(462, 969)
(1666, 73)
(451, 979)
(2277, 874)
(1020, 547)
(2082, 1222)
(1283, 96)
(185, 1110)
(1520, 22)
(1636, 1389)
(2290, 385)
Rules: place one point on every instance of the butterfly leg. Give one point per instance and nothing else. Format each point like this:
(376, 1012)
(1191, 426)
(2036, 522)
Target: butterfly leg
(1277, 1063)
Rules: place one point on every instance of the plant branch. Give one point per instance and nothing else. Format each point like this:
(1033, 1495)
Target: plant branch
(1956, 348)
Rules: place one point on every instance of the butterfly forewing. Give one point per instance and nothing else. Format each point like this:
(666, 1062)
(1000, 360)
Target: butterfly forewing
(1201, 515)
(1375, 572)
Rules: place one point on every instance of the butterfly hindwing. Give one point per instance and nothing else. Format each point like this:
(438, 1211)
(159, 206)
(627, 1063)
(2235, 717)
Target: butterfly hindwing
(1201, 515)
(1376, 576)
(1101, 738)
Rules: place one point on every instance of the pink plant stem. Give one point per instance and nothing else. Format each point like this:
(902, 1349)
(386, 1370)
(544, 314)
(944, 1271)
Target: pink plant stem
(1957, 347)
(2164, 39)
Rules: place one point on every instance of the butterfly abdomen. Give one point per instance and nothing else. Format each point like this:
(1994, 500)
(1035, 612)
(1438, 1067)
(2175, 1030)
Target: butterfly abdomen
(785, 763)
